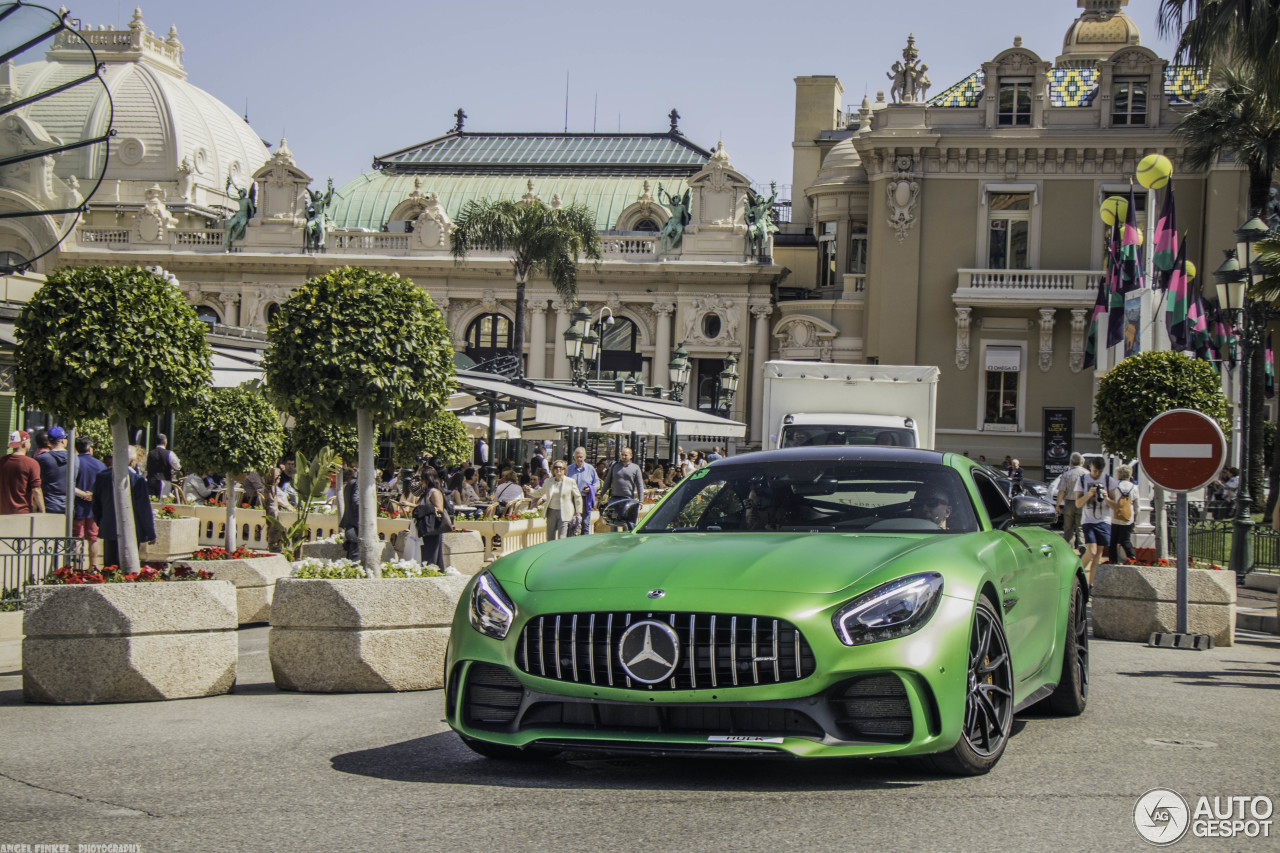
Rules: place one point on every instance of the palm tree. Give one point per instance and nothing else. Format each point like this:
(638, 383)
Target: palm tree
(1241, 117)
(541, 239)
(1244, 33)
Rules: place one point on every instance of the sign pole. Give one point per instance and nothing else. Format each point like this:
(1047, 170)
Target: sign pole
(1183, 545)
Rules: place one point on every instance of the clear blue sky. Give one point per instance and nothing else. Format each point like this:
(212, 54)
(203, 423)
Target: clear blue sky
(351, 80)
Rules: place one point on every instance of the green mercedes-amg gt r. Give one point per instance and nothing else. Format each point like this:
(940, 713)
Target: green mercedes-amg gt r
(814, 602)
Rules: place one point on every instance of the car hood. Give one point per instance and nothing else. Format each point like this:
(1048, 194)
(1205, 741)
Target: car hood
(779, 562)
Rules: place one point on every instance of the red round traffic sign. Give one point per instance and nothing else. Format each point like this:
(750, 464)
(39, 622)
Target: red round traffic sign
(1182, 450)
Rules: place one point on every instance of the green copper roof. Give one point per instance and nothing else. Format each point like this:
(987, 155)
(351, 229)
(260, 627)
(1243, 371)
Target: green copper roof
(368, 201)
(533, 153)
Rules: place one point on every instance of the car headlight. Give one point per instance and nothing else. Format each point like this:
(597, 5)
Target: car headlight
(891, 610)
(491, 611)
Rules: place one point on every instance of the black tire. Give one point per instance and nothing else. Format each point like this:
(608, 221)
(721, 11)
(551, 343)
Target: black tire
(1072, 693)
(502, 752)
(988, 707)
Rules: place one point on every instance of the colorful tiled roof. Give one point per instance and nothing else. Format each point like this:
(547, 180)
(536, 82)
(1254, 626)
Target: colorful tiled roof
(1184, 84)
(532, 153)
(1073, 87)
(966, 93)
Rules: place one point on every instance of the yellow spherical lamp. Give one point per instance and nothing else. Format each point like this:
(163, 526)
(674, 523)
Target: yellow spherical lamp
(1114, 210)
(1154, 171)
(1191, 270)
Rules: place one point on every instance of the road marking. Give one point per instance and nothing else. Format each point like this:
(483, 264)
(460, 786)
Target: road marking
(1181, 451)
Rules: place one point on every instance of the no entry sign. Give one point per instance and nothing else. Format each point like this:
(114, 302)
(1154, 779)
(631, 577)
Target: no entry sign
(1182, 450)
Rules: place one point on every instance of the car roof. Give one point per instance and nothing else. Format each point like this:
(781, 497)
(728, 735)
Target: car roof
(837, 454)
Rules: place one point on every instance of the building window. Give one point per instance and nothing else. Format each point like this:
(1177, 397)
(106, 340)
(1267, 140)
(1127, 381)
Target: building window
(273, 311)
(207, 315)
(1003, 372)
(1008, 231)
(488, 336)
(827, 255)
(646, 225)
(1129, 103)
(1014, 106)
(857, 248)
(709, 383)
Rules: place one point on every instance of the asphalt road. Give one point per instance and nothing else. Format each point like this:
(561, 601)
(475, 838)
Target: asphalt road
(265, 770)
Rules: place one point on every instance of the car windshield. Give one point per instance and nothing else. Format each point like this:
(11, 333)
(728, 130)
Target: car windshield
(823, 435)
(818, 496)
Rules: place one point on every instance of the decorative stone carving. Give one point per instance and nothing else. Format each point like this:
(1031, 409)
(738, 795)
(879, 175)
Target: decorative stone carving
(489, 301)
(614, 302)
(806, 337)
(903, 192)
(964, 317)
(1078, 324)
(762, 311)
(432, 227)
(1046, 339)
(530, 197)
(186, 179)
(711, 304)
(910, 78)
(282, 188)
(154, 221)
(663, 309)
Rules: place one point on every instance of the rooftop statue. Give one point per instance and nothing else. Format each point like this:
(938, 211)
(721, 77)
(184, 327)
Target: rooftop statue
(910, 79)
(673, 229)
(247, 203)
(759, 216)
(317, 207)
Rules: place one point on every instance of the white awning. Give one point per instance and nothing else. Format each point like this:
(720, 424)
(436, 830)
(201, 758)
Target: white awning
(1004, 359)
(548, 410)
(478, 427)
(231, 367)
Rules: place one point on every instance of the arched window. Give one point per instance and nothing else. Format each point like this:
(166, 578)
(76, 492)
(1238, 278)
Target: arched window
(646, 225)
(273, 310)
(488, 336)
(207, 315)
(619, 350)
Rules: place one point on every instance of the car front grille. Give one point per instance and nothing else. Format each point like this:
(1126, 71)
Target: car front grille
(717, 650)
(493, 696)
(709, 720)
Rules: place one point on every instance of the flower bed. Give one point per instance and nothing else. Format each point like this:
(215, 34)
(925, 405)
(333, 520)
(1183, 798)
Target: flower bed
(361, 635)
(254, 574)
(68, 576)
(122, 640)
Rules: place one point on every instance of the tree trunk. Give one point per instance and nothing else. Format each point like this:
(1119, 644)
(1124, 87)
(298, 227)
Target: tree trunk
(122, 495)
(229, 539)
(370, 553)
(1257, 417)
(517, 334)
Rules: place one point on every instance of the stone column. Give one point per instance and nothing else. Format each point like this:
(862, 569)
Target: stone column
(759, 355)
(561, 361)
(537, 309)
(662, 311)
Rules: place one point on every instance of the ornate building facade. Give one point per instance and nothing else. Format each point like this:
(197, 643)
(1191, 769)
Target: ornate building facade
(962, 230)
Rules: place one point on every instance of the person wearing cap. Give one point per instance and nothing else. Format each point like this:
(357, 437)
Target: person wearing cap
(88, 467)
(53, 471)
(20, 478)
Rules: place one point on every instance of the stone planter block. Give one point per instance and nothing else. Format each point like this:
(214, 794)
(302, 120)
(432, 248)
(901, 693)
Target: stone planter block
(128, 642)
(175, 538)
(1133, 602)
(333, 551)
(357, 636)
(464, 551)
(255, 582)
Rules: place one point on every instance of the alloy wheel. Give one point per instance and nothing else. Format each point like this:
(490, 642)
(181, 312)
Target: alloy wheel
(988, 711)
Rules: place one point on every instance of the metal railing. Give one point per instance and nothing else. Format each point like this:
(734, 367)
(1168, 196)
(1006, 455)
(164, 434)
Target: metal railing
(1209, 533)
(29, 560)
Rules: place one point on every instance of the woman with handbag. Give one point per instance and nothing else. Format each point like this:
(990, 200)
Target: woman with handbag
(431, 519)
(563, 500)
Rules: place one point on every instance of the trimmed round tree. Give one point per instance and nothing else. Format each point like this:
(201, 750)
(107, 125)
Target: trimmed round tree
(1147, 384)
(358, 346)
(443, 436)
(233, 431)
(119, 340)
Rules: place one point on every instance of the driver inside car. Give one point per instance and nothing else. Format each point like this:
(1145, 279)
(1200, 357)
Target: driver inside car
(933, 505)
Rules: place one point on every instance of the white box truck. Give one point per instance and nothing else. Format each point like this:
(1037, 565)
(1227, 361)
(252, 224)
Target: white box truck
(810, 403)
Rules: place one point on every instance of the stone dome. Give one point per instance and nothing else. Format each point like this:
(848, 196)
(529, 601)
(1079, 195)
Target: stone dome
(1101, 30)
(160, 119)
(842, 165)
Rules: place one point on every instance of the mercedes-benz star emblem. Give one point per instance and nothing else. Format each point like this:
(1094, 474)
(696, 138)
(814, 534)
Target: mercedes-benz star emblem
(650, 651)
(657, 593)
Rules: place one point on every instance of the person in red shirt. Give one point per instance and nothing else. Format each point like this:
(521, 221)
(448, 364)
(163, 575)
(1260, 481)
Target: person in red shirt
(20, 478)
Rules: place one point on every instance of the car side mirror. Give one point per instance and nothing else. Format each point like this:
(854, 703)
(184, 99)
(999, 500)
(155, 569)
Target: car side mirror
(1033, 510)
(621, 512)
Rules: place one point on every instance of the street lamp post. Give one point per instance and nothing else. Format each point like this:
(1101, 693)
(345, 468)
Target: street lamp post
(1242, 538)
(678, 373)
(728, 384)
(575, 343)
